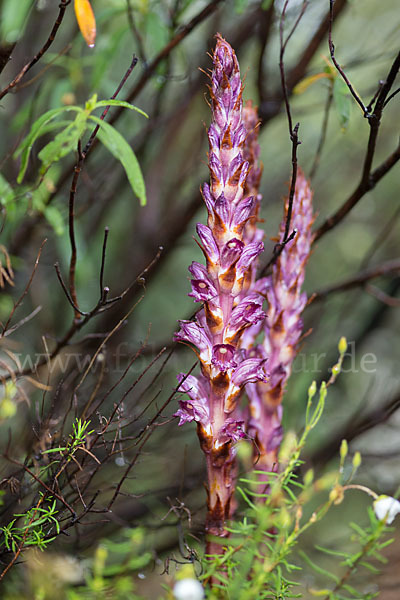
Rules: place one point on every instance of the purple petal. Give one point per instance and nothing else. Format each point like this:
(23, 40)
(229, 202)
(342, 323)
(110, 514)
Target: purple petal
(202, 290)
(213, 137)
(207, 197)
(221, 207)
(195, 387)
(232, 430)
(195, 334)
(190, 411)
(250, 252)
(249, 371)
(197, 408)
(248, 312)
(239, 136)
(215, 166)
(243, 211)
(223, 357)
(198, 270)
(231, 252)
(208, 242)
(235, 164)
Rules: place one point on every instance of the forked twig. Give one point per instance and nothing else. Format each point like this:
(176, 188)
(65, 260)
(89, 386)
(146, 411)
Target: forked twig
(62, 6)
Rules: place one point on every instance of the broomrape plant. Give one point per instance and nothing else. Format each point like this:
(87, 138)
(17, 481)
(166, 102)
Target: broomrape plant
(222, 285)
(244, 348)
(225, 330)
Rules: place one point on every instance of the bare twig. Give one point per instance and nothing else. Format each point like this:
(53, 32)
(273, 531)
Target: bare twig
(147, 433)
(28, 285)
(135, 31)
(365, 185)
(264, 33)
(391, 266)
(77, 325)
(77, 170)
(338, 67)
(62, 6)
(322, 137)
(103, 260)
(23, 321)
(293, 133)
(382, 296)
(368, 179)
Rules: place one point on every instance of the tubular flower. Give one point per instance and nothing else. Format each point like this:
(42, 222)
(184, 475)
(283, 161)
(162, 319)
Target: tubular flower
(282, 328)
(220, 284)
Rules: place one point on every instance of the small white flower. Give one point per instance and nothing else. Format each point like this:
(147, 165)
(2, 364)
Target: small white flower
(188, 589)
(386, 508)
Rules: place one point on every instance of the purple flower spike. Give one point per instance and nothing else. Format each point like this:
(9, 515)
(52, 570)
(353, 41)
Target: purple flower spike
(282, 327)
(222, 286)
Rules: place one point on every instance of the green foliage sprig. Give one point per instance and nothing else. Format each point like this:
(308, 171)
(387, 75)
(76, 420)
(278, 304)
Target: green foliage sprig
(71, 132)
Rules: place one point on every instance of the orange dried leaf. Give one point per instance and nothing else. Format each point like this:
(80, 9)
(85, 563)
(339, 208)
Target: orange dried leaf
(86, 21)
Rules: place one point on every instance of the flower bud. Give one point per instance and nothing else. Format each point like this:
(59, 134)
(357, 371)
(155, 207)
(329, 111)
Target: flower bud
(188, 589)
(356, 460)
(342, 346)
(344, 448)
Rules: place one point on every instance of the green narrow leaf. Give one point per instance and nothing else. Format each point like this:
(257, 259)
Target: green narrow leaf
(120, 149)
(342, 101)
(317, 568)
(120, 103)
(65, 142)
(36, 130)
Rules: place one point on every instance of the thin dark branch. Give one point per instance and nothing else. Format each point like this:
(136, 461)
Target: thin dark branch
(338, 67)
(370, 105)
(295, 144)
(135, 31)
(264, 35)
(77, 170)
(103, 260)
(182, 32)
(71, 230)
(26, 84)
(23, 321)
(358, 193)
(148, 430)
(66, 292)
(356, 426)
(43, 484)
(382, 296)
(382, 236)
(368, 180)
(276, 252)
(140, 280)
(322, 137)
(390, 266)
(293, 133)
(62, 6)
(271, 107)
(78, 324)
(107, 108)
(28, 285)
(391, 96)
